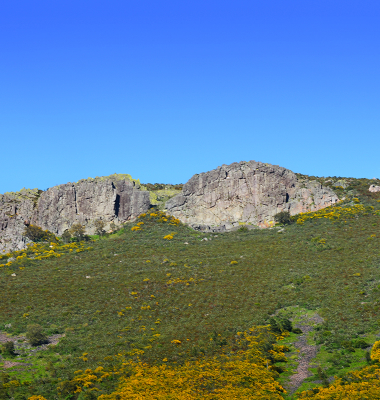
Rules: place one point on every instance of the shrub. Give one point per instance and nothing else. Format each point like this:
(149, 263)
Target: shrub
(297, 331)
(243, 228)
(113, 226)
(20, 396)
(66, 236)
(280, 324)
(99, 227)
(283, 217)
(37, 234)
(87, 396)
(323, 376)
(9, 349)
(78, 231)
(360, 344)
(35, 335)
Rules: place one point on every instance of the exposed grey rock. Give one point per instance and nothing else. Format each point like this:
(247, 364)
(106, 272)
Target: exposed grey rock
(374, 189)
(249, 192)
(116, 198)
(341, 183)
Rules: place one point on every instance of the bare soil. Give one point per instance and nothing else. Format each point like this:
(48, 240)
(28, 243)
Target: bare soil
(306, 352)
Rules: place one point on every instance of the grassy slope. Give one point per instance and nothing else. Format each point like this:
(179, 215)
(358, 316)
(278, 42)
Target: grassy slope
(274, 270)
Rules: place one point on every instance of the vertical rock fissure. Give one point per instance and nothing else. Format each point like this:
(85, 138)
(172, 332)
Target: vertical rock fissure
(117, 205)
(75, 201)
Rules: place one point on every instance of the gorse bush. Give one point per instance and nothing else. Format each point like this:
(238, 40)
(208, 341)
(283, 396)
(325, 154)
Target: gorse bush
(248, 374)
(37, 234)
(36, 335)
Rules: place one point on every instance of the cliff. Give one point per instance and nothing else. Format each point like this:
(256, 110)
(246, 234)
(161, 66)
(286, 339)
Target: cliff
(246, 192)
(116, 198)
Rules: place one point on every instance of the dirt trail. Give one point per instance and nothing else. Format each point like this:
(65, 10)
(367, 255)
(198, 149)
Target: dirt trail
(306, 354)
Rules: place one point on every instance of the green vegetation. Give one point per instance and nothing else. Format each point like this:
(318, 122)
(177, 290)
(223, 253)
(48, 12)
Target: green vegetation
(283, 217)
(36, 335)
(153, 292)
(37, 234)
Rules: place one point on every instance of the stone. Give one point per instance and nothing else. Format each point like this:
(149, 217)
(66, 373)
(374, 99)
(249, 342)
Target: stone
(246, 192)
(374, 189)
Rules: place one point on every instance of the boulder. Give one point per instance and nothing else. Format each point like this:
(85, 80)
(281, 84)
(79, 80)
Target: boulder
(374, 189)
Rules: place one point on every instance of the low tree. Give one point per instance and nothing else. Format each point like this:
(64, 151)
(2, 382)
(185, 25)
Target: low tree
(283, 217)
(99, 227)
(36, 335)
(78, 231)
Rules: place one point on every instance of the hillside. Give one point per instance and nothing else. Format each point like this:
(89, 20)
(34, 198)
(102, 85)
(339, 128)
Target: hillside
(182, 302)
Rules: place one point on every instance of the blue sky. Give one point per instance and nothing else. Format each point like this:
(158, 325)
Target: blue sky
(166, 89)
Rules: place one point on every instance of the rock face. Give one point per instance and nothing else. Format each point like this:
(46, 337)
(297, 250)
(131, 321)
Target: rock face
(116, 198)
(374, 189)
(246, 192)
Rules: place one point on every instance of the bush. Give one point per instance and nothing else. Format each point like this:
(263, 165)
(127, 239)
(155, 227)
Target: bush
(9, 349)
(87, 396)
(360, 344)
(280, 324)
(243, 228)
(78, 231)
(297, 331)
(37, 234)
(99, 227)
(113, 226)
(66, 236)
(35, 335)
(283, 217)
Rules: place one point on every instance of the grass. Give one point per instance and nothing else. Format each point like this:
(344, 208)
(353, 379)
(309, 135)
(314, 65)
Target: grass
(136, 292)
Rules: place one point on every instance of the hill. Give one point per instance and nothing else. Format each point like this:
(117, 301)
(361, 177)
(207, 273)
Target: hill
(156, 308)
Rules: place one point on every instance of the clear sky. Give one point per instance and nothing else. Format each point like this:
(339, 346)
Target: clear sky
(166, 89)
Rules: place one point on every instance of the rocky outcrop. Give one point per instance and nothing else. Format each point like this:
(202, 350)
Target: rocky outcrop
(246, 192)
(374, 189)
(116, 198)
(16, 210)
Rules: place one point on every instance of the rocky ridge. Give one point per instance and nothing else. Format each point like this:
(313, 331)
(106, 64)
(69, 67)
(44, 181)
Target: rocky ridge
(246, 192)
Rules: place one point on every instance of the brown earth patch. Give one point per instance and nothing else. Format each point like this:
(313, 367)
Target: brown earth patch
(11, 364)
